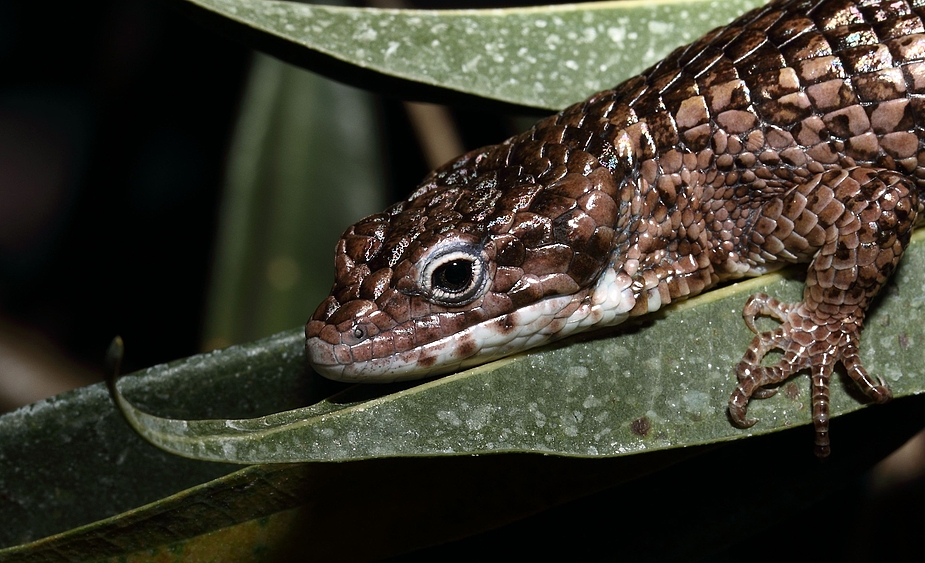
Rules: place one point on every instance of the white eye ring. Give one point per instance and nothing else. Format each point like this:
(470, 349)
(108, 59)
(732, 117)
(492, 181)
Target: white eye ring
(455, 276)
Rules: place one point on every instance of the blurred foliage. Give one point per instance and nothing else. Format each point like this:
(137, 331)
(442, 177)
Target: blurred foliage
(304, 164)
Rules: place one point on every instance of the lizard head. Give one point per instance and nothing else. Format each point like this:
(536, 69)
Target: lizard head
(476, 264)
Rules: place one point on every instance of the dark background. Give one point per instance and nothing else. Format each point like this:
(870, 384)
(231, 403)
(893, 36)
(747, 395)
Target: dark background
(115, 117)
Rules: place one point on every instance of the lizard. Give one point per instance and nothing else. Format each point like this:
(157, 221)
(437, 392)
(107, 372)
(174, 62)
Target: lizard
(793, 135)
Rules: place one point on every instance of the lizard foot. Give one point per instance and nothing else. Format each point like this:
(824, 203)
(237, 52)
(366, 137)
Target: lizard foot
(806, 343)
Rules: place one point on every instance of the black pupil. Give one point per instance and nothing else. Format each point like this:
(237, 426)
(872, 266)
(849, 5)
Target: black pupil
(453, 276)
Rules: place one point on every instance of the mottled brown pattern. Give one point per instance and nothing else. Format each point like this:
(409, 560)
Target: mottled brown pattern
(793, 135)
(641, 426)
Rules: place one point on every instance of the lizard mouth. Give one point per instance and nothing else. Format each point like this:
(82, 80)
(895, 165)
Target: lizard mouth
(335, 361)
(379, 359)
(357, 350)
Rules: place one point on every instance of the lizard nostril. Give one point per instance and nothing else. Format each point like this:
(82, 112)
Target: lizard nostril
(360, 331)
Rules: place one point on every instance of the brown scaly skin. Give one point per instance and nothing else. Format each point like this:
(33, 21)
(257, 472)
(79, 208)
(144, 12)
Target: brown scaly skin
(793, 135)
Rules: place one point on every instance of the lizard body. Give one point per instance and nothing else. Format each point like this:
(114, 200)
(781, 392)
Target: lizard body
(792, 135)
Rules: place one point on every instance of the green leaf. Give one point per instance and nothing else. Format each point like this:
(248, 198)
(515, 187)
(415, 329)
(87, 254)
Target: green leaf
(543, 57)
(662, 384)
(70, 460)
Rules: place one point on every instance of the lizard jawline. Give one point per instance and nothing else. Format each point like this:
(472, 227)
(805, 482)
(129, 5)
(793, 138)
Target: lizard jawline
(606, 304)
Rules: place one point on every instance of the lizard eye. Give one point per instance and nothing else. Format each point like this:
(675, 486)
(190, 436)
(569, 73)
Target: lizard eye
(454, 276)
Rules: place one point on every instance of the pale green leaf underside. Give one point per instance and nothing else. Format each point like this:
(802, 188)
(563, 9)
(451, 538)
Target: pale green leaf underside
(661, 385)
(545, 57)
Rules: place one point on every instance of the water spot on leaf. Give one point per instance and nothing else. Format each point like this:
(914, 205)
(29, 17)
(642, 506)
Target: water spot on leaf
(449, 417)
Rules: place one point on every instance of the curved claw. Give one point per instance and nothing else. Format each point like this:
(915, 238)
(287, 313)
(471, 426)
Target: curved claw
(738, 408)
(763, 305)
(882, 393)
(878, 392)
(752, 379)
(764, 392)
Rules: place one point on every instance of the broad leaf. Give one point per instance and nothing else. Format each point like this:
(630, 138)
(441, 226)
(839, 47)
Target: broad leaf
(661, 384)
(544, 57)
